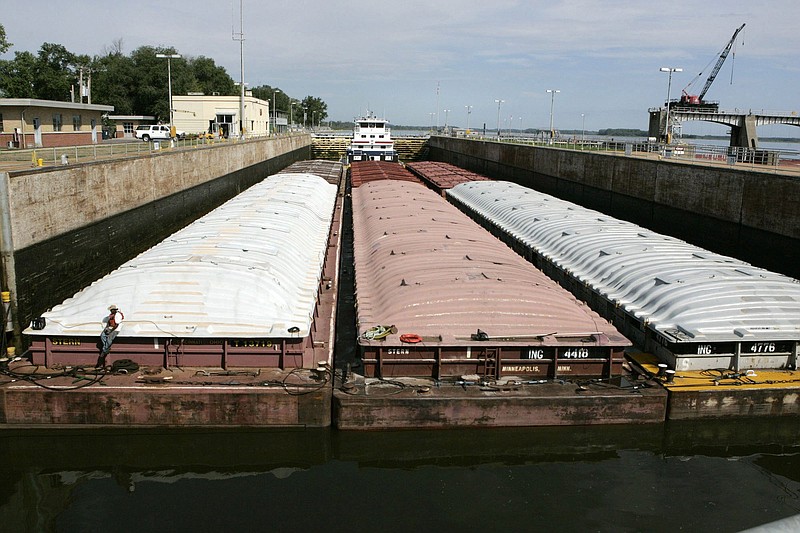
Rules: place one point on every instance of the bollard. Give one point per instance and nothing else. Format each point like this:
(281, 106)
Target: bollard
(64, 159)
(40, 162)
(5, 296)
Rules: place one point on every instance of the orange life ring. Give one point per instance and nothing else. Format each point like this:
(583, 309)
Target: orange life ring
(410, 337)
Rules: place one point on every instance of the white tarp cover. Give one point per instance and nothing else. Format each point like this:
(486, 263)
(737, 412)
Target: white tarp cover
(684, 291)
(250, 268)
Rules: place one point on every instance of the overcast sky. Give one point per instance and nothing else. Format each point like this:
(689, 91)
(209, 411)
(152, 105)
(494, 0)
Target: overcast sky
(389, 56)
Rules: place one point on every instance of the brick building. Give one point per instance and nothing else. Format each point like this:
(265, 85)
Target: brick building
(31, 123)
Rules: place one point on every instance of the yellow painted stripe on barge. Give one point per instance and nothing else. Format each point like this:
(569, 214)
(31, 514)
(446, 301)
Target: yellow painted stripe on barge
(716, 379)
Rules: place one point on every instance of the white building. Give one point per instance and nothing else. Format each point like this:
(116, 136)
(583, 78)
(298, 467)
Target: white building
(199, 113)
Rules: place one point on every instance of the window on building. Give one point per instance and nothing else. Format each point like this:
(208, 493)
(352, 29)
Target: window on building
(127, 127)
(57, 121)
(76, 122)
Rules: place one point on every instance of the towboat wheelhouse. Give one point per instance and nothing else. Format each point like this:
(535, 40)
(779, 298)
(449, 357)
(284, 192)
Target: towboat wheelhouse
(372, 140)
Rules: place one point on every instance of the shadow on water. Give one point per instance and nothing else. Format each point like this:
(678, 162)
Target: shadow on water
(721, 476)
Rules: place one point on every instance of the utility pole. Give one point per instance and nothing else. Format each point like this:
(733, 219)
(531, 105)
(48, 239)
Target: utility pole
(240, 37)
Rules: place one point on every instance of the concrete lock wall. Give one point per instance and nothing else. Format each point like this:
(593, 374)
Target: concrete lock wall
(744, 213)
(65, 227)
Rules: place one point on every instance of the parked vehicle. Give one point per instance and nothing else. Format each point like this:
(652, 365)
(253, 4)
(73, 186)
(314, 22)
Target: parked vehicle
(156, 132)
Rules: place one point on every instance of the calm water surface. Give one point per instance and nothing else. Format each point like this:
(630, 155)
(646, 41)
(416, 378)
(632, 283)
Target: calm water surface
(679, 477)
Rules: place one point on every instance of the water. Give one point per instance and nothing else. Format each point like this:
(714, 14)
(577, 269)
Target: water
(710, 476)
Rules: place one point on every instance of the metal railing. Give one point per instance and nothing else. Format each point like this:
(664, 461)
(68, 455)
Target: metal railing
(21, 159)
(762, 159)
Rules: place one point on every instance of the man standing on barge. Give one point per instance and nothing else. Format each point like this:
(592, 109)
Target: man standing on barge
(110, 332)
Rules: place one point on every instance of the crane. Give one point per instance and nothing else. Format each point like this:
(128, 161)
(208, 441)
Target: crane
(691, 100)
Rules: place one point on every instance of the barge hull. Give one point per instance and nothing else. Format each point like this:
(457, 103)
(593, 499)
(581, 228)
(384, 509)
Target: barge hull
(552, 404)
(133, 406)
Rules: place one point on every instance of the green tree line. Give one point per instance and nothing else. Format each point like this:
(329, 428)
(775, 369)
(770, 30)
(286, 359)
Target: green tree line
(135, 84)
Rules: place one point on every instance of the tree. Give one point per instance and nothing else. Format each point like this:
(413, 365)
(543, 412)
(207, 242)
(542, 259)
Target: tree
(4, 44)
(135, 84)
(208, 78)
(149, 90)
(281, 99)
(55, 72)
(17, 76)
(113, 81)
(315, 110)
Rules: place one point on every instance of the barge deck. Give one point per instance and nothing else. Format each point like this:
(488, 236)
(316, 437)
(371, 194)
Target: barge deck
(722, 393)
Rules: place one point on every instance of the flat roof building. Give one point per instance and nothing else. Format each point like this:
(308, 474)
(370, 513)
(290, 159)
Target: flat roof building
(125, 125)
(199, 113)
(32, 123)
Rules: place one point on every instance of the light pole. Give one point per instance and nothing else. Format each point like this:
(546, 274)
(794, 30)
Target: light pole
(498, 102)
(446, 111)
(437, 107)
(430, 121)
(583, 128)
(170, 57)
(240, 37)
(552, 101)
(668, 129)
(275, 111)
(291, 115)
(469, 112)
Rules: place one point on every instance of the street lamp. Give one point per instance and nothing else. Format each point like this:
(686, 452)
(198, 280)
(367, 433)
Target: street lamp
(291, 115)
(170, 57)
(275, 111)
(446, 111)
(498, 102)
(430, 121)
(668, 129)
(552, 101)
(583, 128)
(469, 112)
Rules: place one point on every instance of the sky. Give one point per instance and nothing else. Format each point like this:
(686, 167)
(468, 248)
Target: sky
(422, 62)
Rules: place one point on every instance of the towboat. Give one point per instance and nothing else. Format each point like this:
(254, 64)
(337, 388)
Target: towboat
(372, 140)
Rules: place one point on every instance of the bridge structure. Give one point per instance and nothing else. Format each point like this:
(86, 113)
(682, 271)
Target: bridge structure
(743, 125)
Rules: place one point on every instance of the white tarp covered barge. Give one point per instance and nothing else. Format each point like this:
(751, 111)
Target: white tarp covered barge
(238, 287)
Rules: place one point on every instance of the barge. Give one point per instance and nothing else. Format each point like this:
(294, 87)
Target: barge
(229, 321)
(454, 329)
(720, 335)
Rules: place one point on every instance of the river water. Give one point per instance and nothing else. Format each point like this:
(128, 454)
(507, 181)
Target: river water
(709, 476)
